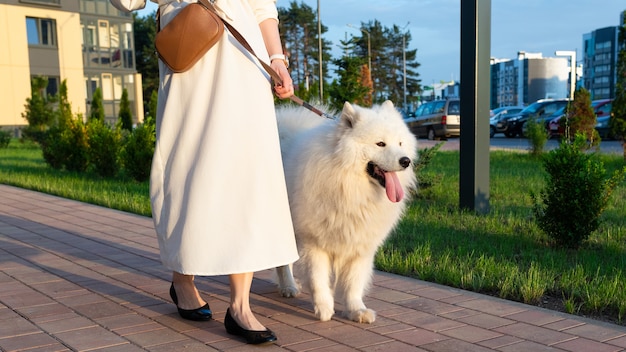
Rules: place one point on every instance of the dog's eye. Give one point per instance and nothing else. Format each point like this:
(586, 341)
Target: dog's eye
(381, 144)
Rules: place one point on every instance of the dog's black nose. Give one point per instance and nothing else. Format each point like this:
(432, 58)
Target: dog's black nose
(405, 162)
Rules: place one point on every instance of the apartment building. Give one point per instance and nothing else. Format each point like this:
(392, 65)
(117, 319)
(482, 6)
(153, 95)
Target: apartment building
(600, 54)
(528, 78)
(87, 43)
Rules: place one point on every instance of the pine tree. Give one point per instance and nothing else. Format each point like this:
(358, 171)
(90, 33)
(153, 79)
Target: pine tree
(581, 119)
(125, 115)
(38, 111)
(348, 87)
(97, 109)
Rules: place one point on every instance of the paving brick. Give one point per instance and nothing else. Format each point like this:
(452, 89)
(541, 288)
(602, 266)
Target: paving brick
(90, 338)
(596, 332)
(454, 345)
(470, 333)
(535, 333)
(586, 345)
(527, 346)
(417, 337)
(535, 317)
(392, 346)
(29, 342)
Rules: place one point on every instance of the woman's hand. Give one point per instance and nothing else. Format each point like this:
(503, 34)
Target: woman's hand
(285, 90)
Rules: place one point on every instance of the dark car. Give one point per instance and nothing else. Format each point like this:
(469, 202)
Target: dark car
(602, 109)
(499, 114)
(514, 125)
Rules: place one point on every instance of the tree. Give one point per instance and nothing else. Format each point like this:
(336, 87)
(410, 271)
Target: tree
(125, 115)
(146, 59)
(64, 112)
(617, 122)
(581, 119)
(389, 63)
(299, 34)
(349, 86)
(38, 110)
(97, 109)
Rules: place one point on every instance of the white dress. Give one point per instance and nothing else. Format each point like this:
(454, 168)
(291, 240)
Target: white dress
(217, 187)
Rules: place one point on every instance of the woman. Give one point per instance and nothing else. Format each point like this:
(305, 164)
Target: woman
(217, 188)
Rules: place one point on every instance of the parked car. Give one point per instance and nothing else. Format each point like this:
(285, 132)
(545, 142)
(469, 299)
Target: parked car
(437, 119)
(498, 114)
(554, 125)
(602, 109)
(513, 125)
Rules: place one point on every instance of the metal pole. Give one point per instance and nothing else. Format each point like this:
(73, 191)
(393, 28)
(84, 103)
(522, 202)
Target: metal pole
(319, 44)
(474, 94)
(404, 70)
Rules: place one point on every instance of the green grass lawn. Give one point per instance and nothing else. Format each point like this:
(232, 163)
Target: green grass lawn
(502, 253)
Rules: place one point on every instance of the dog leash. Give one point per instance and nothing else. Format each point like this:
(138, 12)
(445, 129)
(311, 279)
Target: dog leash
(270, 71)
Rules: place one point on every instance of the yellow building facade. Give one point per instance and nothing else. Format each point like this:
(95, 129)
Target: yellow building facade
(87, 44)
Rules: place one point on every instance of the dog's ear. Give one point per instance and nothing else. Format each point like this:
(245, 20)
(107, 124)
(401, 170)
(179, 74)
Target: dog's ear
(349, 115)
(387, 104)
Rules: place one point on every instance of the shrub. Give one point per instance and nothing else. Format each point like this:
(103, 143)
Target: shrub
(581, 119)
(104, 146)
(96, 112)
(425, 179)
(66, 146)
(38, 111)
(137, 152)
(125, 115)
(5, 138)
(577, 191)
(537, 136)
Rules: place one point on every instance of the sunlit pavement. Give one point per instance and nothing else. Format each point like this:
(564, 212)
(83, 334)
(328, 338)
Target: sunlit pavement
(79, 277)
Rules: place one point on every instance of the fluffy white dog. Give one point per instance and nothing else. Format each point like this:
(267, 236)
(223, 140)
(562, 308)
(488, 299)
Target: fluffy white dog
(348, 181)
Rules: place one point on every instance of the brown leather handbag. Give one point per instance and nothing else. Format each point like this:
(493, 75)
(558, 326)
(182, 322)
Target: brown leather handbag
(188, 36)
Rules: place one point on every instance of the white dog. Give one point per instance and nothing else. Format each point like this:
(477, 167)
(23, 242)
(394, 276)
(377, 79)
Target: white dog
(347, 181)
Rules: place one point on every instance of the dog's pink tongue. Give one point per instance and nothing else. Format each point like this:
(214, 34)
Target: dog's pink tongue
(395, 193)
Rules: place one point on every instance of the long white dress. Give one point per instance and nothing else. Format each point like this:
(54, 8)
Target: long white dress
(217, 188)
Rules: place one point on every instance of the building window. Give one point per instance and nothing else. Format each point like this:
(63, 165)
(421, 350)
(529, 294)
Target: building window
(46, 2)
(41, 31)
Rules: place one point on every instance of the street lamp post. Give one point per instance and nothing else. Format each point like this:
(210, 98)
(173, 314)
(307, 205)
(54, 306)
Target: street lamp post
(572, 70)
(404, 67)
(319, 44)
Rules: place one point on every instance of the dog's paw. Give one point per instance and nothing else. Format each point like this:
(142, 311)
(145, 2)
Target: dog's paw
(366, 316)
(324, 313)
(289, 291)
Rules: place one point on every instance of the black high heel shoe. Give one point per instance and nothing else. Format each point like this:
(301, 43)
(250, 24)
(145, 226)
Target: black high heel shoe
(199, 314)
(253, 337)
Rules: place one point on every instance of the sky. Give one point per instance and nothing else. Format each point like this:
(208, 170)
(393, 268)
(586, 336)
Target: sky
(534, 26)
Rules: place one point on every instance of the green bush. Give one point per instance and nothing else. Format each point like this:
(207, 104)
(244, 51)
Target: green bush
(425, 179)
(67, 146)
(104, 146)
(38, 111)
(125, 115)
(5, 138)
(577, 191)
(537, 136)
(137, 152)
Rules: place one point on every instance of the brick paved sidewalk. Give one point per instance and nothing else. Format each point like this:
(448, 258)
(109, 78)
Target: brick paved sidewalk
(78, 277)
